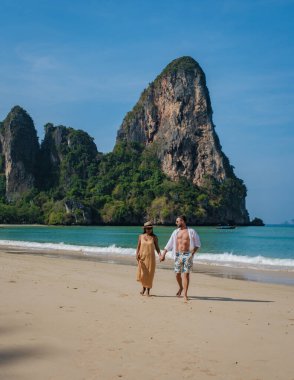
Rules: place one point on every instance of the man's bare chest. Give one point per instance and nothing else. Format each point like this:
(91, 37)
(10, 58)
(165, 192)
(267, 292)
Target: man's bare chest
(183, 235)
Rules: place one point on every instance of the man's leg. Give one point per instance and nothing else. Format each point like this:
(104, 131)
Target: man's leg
(186, 280)
(179, 279)
(178, 270)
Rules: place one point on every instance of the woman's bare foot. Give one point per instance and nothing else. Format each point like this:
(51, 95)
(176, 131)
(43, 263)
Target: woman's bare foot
(179, 292)
(142, 292)
(186, 299)
(148, 292)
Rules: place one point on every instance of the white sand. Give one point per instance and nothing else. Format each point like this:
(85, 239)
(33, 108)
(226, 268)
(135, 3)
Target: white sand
(71, 319)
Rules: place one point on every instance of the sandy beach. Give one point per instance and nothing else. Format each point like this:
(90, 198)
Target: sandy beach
(77, 319)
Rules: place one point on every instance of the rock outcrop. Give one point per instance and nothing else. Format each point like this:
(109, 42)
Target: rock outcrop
(66, 153)
(66, 156)
(19, 148)
(174, 116)
(175, 113)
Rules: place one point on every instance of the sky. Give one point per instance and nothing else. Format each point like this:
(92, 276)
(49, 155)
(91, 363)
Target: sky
(84, 64)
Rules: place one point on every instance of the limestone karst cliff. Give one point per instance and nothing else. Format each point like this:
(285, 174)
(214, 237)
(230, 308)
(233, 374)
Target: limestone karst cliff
(66, 155)
(174, 115)
(167, 161)
(19, 148)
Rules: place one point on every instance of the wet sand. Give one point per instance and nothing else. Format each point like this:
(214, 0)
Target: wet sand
(85, 319)
(282, 277)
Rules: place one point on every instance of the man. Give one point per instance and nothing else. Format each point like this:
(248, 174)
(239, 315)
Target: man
(184, 243)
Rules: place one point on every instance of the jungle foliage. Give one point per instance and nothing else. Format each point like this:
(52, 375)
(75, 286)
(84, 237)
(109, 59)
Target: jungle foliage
(126, 186)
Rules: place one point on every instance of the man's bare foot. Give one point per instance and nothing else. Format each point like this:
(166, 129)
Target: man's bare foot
(186, 299)
(179, 292)
(142, 292)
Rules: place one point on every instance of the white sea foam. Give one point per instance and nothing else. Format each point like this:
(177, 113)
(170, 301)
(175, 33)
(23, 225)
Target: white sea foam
(87, 250)
(231, 260)
(224, 259)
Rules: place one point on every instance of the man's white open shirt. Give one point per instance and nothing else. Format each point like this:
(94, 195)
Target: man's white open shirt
(172, 243)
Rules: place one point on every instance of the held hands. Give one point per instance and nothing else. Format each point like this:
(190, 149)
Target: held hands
(161, 257)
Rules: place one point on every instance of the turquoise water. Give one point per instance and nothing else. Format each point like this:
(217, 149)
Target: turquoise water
(271, 246)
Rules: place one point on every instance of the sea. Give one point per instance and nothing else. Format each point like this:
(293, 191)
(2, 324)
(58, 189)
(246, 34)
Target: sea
(268, 248)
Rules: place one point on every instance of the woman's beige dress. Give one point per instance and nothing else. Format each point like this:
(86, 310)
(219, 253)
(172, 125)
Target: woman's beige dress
(146, 264)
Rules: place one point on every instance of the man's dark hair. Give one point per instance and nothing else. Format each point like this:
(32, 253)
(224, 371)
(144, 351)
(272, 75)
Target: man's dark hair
(183, 218)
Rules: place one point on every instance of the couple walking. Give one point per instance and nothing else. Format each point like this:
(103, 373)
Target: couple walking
(183, 243)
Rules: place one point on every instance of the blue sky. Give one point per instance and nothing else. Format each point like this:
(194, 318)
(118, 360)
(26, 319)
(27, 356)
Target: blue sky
(84, 64)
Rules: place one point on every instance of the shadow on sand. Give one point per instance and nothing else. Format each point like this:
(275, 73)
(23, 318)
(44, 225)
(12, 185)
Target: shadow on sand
(18, 352)
(223, 299)
(10, 355)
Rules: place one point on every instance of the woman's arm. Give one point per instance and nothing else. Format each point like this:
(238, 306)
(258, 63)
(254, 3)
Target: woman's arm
(138, 249)
(156, 245)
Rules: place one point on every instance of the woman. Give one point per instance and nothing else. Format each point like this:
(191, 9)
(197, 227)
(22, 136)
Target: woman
(145, 255)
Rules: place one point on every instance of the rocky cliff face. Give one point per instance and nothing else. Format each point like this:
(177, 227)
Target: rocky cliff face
(19, 149)
(62, 140)
(66, 153)
(174, 115)
(172, 124)
(67, 156)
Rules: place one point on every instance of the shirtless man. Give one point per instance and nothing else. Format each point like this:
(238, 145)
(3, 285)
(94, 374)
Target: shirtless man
(184, 242)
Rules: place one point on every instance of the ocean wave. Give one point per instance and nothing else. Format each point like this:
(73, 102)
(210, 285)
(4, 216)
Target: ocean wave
(229, 259)
(223, 259)
(112, 249)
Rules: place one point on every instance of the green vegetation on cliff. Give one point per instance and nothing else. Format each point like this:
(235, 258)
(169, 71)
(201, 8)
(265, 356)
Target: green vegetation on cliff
(185, 63)
(68, 157)
(126, 186)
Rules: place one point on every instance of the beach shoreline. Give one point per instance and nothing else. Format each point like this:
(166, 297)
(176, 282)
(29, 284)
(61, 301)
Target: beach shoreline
(84, 319)
(274, 276)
